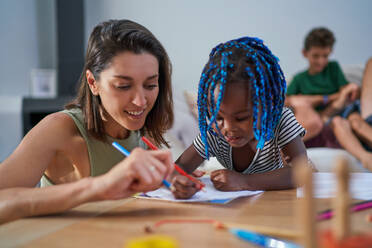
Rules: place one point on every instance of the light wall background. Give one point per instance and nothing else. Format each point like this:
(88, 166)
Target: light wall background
(187, 29)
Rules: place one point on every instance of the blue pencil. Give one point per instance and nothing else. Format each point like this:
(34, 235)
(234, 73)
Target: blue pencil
(262, 240)
(126, 153)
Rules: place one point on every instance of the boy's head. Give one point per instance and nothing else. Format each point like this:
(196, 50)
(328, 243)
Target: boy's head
(317, 48)
(248, 63)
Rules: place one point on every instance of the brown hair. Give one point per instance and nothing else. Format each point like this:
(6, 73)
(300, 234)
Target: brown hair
(319, 37)
(105, 42)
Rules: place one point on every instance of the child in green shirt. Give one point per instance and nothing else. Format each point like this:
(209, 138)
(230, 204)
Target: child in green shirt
(321, 91)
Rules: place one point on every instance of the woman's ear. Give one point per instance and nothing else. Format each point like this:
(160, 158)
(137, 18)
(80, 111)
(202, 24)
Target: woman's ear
(92, 83)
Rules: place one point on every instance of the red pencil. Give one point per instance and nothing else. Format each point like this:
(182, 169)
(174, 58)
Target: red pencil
(179, 169)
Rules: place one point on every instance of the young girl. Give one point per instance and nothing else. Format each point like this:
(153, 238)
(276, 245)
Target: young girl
(125, 92)
(242, 121)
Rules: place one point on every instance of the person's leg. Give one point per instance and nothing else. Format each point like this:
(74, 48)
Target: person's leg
(347, 139)
(366, 91)
(361, 128)
(309, 119)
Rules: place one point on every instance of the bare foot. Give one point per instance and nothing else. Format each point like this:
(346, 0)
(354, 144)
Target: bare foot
(361, 128)
(366, 160)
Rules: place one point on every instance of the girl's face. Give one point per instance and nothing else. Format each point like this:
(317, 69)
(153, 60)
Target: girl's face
(128, 89)
(235, 117)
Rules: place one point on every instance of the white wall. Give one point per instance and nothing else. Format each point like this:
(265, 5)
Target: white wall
(28, 40)
(189, 29)
(27, 29)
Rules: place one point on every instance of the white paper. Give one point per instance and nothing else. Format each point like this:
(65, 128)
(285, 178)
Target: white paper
(360, 185)
(210, 194)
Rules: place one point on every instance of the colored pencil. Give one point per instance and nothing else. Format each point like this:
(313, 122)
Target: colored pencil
(179, 169)
(359, 206)
(126, 153)
(262, 240)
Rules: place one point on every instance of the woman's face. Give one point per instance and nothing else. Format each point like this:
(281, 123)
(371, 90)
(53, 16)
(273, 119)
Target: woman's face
(235, 119)
(128, 89)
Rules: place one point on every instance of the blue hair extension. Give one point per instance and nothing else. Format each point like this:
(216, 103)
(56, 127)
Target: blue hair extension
(246, 59)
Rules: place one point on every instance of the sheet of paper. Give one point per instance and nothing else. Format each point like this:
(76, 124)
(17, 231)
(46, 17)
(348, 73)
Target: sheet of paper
(210, 195)
(325, 186)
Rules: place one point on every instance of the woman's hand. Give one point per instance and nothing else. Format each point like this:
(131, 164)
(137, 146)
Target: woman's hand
(142, 171)
(183, 188)
(198, 173)
(227, 180)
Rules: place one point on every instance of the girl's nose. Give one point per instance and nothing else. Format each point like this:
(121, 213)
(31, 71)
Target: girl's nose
(227, 126)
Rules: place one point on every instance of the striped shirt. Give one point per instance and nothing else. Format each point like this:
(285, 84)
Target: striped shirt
(266, 159)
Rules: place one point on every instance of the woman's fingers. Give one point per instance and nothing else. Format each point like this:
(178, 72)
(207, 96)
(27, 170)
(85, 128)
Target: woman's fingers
(166, 162)
(198, 173)
(151, 168)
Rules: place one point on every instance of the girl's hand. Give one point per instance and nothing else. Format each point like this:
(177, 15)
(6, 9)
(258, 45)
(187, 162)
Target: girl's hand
(183, 188)
(227, 180)
(142, 171)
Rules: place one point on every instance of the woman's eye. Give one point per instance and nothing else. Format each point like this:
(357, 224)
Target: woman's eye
(151, 86)
(123, 87)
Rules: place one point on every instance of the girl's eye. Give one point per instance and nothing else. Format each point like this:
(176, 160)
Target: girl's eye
(242, 118)
(219, 119)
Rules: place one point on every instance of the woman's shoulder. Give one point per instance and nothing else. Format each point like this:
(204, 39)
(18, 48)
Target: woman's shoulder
(59, 125)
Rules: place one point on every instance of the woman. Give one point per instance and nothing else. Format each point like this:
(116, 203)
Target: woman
(125, 92)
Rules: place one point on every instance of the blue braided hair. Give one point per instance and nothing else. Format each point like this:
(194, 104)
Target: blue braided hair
(245, 59)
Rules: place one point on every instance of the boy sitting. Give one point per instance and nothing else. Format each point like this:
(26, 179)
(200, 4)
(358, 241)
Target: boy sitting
(321, 91)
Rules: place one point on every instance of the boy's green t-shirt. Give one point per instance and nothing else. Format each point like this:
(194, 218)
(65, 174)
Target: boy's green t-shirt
(327, 82)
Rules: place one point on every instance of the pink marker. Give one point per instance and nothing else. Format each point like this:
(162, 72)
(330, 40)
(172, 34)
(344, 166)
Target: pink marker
(325, 215)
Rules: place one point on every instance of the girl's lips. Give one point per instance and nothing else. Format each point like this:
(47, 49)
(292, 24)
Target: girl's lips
(232, 139)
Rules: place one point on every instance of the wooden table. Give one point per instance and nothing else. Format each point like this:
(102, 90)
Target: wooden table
(113, 223)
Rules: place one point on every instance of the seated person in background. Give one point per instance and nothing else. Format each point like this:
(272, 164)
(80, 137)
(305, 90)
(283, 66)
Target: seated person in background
(321, 91)
(354, 132)
(243, 122)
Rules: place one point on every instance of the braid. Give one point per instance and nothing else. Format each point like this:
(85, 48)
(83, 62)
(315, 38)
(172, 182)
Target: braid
(246, 59)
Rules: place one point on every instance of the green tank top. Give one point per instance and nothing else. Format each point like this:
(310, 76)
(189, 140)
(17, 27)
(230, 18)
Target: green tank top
(102, 156)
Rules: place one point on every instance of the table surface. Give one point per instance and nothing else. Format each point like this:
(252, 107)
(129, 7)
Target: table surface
(114, 223)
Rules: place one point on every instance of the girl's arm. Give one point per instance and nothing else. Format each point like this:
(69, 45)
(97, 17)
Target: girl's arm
(141, 171)
(226, 180)
(189, 159)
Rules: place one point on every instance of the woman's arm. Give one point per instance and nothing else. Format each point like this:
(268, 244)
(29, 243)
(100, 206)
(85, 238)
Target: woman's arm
(226, 180)
(141, 171)
(16, 203)
(25, 166)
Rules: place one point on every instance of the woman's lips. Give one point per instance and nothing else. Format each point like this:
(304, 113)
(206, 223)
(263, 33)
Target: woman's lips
(135, 114)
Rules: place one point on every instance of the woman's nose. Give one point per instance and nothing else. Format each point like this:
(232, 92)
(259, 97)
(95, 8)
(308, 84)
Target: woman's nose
(139, 98)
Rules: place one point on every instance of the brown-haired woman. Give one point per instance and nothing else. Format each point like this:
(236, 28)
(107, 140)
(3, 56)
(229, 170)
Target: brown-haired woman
(125, 92)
